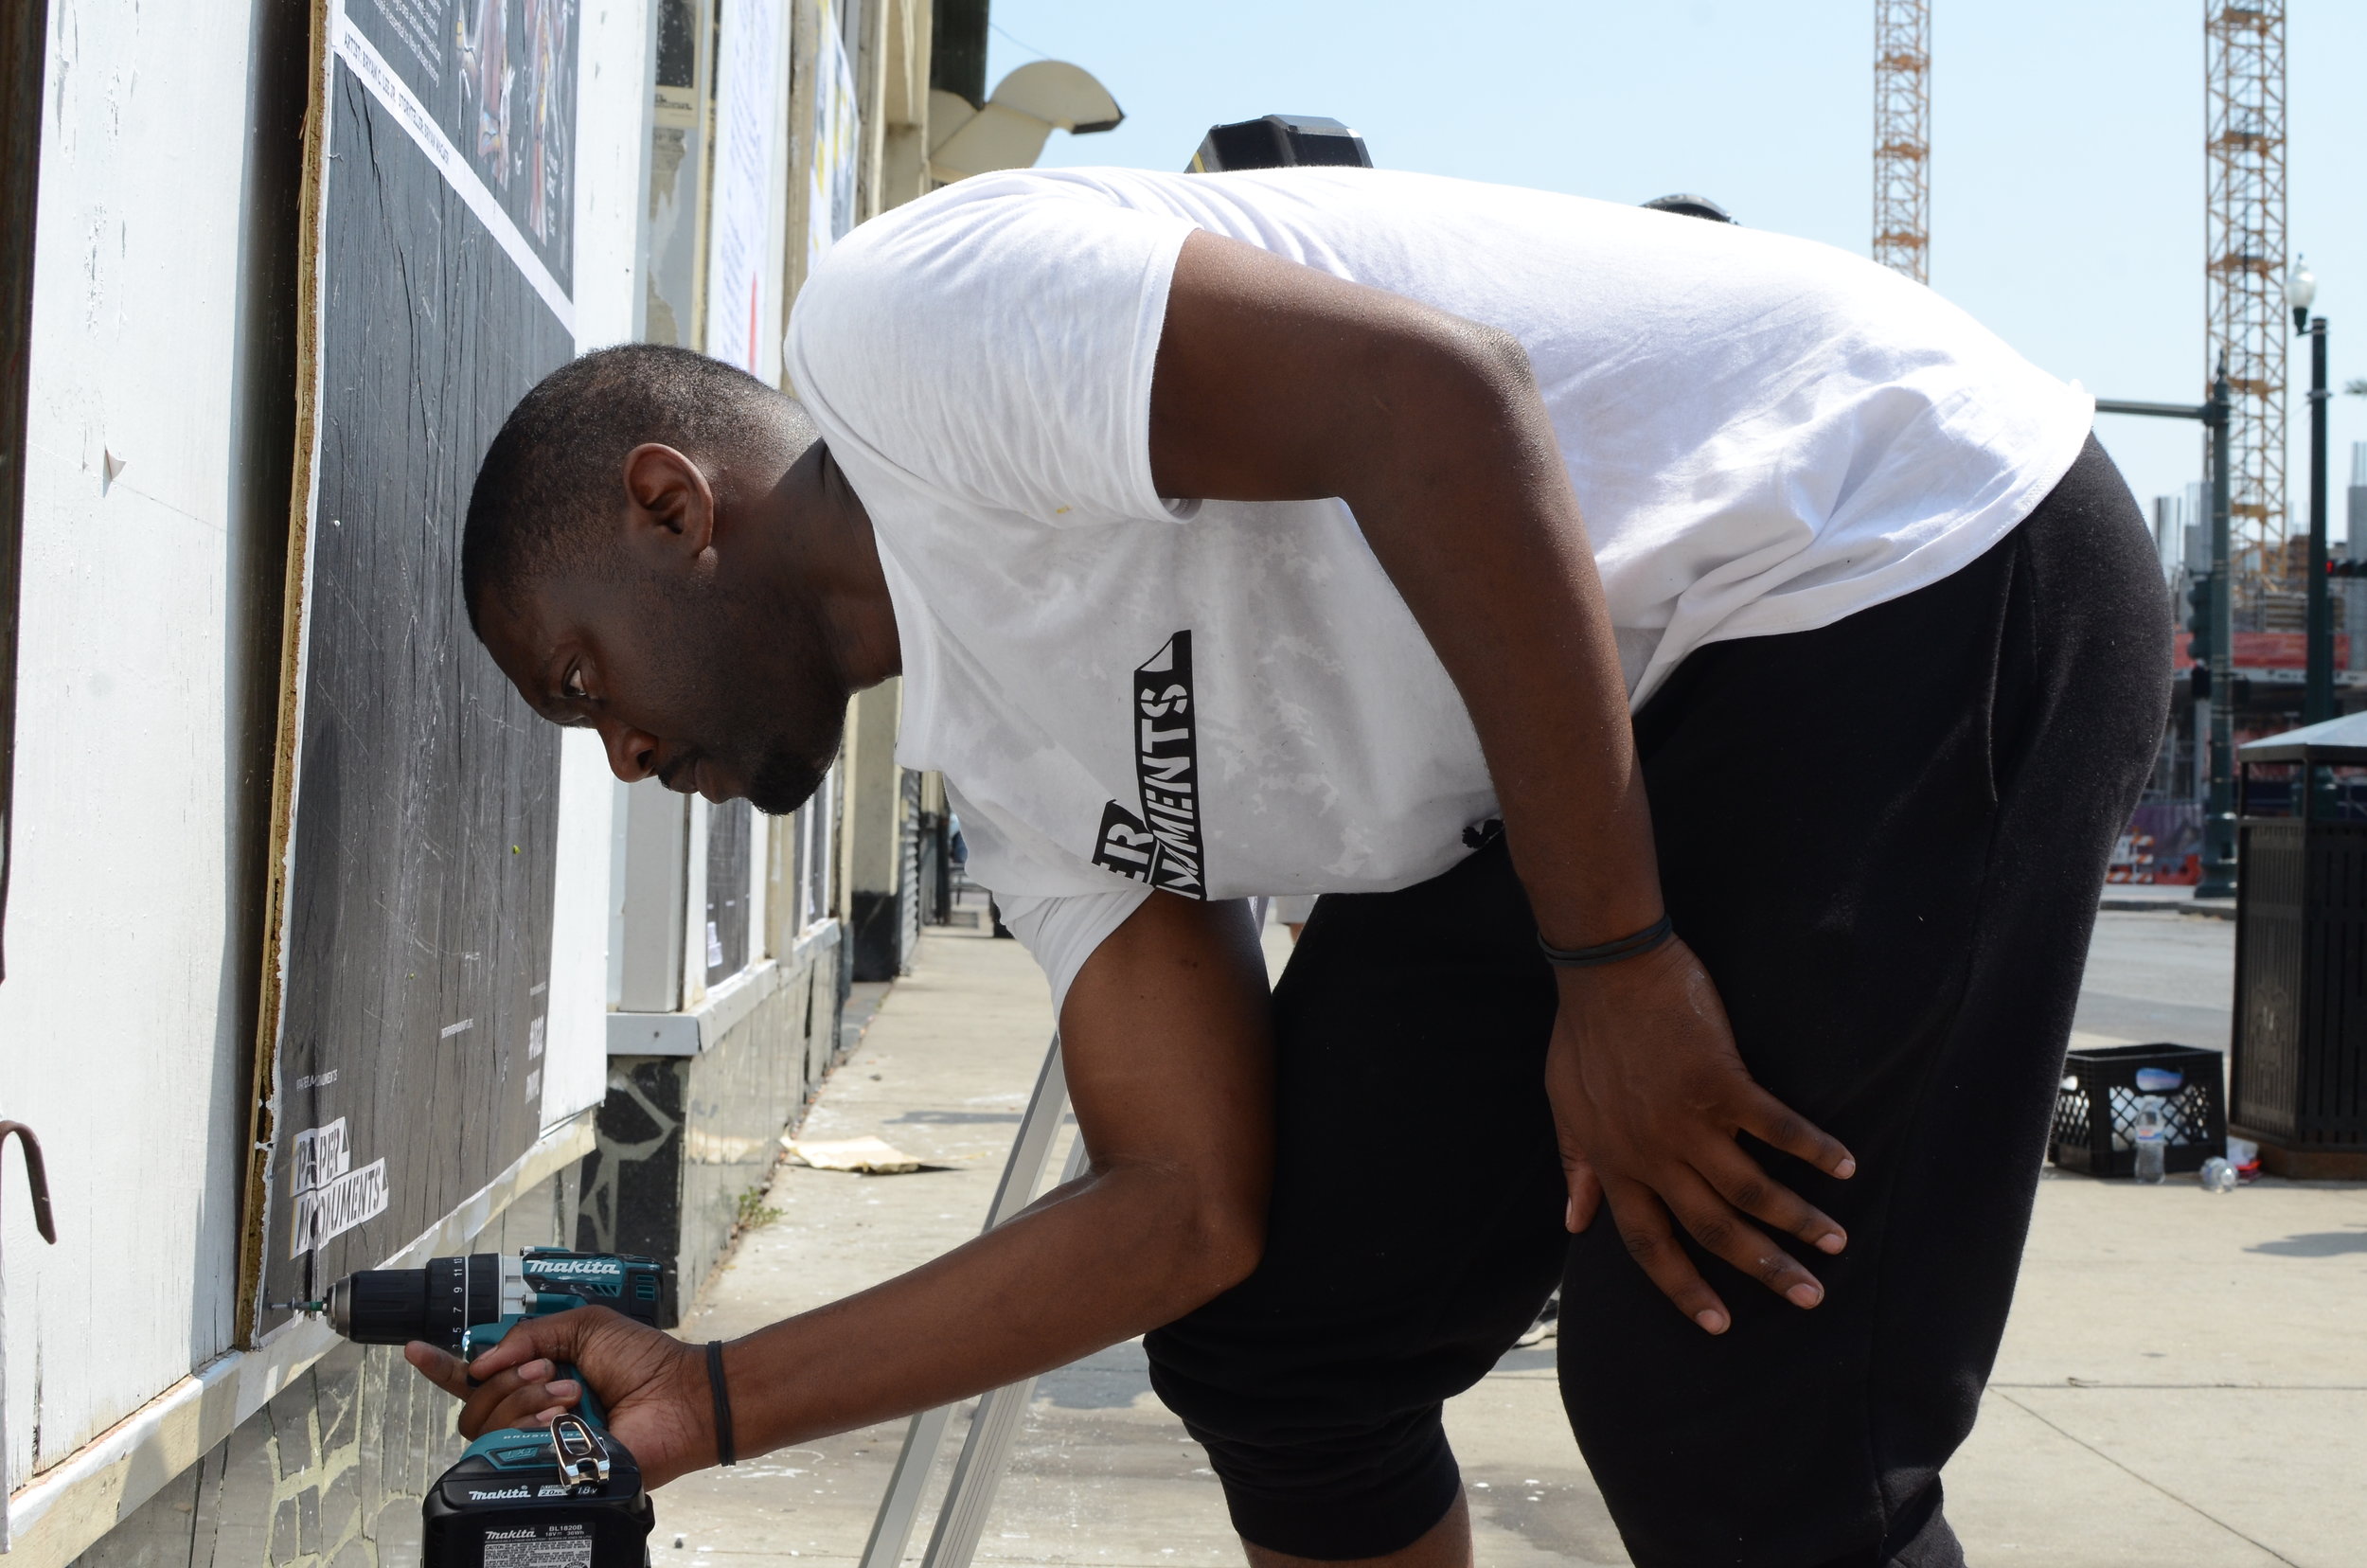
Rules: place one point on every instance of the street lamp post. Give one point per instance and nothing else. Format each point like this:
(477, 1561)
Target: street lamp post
(2301, 288)
(2218, 819)
(2218, 813)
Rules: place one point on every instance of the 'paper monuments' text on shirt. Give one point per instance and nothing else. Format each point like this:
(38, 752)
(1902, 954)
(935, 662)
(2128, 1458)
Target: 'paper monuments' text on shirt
(1163, 846)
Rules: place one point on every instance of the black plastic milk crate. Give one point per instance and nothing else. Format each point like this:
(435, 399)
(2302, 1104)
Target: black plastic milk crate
(2097, 1106)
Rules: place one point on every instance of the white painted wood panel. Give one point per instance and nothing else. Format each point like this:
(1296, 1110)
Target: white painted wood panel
(121, 1044)
(575, 1068)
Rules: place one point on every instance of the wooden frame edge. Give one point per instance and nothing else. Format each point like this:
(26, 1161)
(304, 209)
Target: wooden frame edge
(262, 1111)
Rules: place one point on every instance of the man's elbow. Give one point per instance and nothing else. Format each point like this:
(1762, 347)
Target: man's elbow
(1214, 1238)
(1463, 367)
(1469, 387)
(1499, 360)
(1228, 1246)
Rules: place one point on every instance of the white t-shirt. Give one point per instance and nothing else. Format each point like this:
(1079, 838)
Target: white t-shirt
(1222, 699)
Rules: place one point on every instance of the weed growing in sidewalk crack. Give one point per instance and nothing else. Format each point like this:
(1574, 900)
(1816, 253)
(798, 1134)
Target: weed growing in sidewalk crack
(754, 1212)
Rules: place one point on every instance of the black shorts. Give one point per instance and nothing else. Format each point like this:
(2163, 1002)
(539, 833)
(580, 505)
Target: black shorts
(1885, 839)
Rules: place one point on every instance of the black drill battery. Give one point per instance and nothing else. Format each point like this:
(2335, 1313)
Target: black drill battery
(569, 1497)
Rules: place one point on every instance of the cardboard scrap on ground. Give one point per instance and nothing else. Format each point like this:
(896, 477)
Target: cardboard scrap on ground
(867, 1156)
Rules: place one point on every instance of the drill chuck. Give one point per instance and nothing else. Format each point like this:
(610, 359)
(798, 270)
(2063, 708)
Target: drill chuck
(378, 1307)
(437, 1303)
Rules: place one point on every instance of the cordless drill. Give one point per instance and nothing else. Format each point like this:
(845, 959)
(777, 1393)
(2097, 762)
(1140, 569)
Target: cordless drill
(568, 1496)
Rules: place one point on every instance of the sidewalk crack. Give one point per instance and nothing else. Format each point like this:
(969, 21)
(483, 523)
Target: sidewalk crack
(2190, 1387)
(2146, 1480)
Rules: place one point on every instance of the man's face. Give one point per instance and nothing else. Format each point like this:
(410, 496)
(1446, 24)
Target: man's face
(729, 694)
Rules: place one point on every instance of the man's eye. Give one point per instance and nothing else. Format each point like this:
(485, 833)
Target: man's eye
(575, 684)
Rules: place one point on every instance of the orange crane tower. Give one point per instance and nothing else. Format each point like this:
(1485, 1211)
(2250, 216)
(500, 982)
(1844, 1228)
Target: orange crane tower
(1902, 136)
(2244, 268)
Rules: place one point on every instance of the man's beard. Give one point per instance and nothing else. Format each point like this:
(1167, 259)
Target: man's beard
(784, 781)
(789, 707)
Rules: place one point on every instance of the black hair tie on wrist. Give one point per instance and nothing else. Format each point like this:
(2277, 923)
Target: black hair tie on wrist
(726, 1450)
(1609, 952)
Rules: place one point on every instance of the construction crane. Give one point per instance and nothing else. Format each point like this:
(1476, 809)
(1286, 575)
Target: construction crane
(1902, 136)
(2244, 266)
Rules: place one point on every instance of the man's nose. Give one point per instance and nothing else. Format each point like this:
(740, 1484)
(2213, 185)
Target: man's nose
(631, 753)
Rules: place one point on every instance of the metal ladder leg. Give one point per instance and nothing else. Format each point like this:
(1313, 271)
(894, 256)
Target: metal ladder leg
(984, 1453)
(892, 1529)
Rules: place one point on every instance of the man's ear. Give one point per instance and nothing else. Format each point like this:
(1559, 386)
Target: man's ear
(672, 512)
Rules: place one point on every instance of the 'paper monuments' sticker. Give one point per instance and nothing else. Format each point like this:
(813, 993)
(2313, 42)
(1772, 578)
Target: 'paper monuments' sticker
(330, 1196)
(321, 1153)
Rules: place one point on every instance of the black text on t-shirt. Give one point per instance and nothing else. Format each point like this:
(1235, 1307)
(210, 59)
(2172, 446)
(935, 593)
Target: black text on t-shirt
(1162, 847)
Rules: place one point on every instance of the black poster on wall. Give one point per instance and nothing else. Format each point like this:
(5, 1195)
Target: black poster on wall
(414, 938)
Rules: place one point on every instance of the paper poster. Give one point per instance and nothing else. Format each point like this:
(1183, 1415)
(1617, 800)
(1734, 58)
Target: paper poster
(749, 127)
(498, 77)
(830, 208)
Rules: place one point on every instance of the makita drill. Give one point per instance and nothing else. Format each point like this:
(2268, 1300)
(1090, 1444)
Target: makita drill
(568, 1496)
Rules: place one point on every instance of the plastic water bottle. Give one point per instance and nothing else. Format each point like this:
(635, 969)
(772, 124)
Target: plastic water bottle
(2150, 1134)
(2217, 1175)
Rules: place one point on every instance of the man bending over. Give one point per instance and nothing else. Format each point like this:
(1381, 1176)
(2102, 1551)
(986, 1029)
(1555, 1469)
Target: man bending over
(1703, 673)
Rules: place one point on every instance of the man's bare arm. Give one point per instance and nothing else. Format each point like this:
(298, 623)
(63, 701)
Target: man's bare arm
(1165, 1040)
(1275, 381)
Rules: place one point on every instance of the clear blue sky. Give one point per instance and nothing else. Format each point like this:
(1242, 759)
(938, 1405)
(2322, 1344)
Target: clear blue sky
(2067, 136)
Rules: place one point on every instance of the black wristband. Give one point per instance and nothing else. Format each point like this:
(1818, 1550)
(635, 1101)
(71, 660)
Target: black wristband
(1608, 953)
(726, 1450)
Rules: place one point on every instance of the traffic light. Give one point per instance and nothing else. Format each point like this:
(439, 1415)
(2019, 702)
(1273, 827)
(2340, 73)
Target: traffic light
(2198, 638)
(2346, 568)
(2199, 619)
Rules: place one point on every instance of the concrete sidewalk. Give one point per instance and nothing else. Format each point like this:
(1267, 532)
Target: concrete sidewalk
(2184, 1381)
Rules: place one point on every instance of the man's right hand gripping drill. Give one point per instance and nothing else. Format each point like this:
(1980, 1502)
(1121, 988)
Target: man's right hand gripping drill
(654, 1385)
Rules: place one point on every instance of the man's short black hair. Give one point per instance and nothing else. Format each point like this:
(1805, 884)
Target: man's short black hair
(552, 476)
